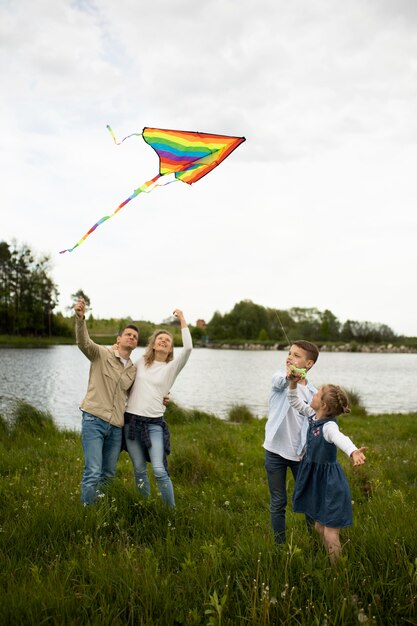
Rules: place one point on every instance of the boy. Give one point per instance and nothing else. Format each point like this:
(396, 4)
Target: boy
(286, 431)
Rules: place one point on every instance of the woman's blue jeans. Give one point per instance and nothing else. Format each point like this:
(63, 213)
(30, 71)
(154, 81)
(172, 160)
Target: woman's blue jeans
(101, 444)
(156, 454)
(276, 468)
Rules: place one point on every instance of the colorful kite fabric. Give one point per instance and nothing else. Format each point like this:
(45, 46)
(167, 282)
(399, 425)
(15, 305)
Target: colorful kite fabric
(188, 155)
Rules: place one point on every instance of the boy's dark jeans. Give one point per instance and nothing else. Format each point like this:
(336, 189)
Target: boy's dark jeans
(276, 468)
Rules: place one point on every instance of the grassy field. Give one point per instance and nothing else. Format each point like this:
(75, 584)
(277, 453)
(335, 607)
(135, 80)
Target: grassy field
(211, 561)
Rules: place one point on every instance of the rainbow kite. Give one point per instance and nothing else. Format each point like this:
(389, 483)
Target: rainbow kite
(187, 155)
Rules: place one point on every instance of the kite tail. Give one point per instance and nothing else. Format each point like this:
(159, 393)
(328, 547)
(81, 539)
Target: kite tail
(143, 188)
(127, 136)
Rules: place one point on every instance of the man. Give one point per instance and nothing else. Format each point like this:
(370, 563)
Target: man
(112, 374)
(285, 433)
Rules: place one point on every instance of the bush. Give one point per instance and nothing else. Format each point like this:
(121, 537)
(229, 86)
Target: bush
(31, 421)
(177, 415)
(355, 402)
(4, 428)
(241, 414)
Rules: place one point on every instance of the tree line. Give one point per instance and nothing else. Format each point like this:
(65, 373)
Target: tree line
(29, 297)
(253, 322)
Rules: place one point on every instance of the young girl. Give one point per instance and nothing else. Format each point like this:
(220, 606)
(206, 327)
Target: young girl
(321, 489)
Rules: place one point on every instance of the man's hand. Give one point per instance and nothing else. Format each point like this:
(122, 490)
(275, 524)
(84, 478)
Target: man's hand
(79, 309)
(166, 399)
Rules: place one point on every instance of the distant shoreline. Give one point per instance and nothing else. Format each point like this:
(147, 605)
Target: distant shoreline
(7, 342)
(363, 348)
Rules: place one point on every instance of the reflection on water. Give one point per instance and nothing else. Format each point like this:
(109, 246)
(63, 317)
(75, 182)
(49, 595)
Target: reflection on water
(55, 379)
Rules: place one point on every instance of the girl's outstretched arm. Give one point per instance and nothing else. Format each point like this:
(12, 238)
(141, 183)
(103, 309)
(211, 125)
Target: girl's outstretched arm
(358, 456)
(332, 434)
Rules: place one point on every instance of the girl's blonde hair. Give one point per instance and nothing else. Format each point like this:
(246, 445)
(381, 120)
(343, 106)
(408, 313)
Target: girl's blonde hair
(149, 355)
(336, 400)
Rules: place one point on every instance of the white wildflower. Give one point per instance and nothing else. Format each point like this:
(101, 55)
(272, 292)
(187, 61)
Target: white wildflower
(362, 618)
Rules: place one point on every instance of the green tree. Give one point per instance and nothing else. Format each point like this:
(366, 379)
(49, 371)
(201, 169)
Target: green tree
(329, 329)
(5, 288)
(263, 335)
(216, 329)
(28, 295)
(367, 332)
(79, 295)
(247, 319)
(307, 322)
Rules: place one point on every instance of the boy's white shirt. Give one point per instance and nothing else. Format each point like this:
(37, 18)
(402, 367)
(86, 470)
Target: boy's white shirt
(287, 439)
(280, 412)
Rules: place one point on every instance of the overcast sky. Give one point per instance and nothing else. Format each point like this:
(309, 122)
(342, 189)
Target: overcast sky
(316, 209)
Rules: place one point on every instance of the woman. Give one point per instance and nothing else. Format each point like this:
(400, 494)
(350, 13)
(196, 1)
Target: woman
(146, 431)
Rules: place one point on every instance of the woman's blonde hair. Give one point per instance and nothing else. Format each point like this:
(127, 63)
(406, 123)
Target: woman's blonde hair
(149, 355)
(336, 400)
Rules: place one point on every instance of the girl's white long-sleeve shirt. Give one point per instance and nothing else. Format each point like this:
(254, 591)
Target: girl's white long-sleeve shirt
(154, 382)
(331, 431)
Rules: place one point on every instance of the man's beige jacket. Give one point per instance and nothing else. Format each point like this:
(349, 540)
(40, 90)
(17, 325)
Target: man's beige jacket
(109, 380)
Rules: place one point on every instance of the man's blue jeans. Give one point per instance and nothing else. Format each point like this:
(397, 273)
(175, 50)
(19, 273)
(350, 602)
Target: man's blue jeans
(276, 468)
(156, 455)
(101, 444)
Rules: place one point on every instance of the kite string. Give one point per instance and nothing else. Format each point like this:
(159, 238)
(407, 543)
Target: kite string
(282, 327)
(127, 136)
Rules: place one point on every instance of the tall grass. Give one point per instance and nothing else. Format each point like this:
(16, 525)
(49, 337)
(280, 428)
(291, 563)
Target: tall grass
(212, 560)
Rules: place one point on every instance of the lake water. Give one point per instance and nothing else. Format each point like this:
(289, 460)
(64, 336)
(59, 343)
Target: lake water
(55, 380)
